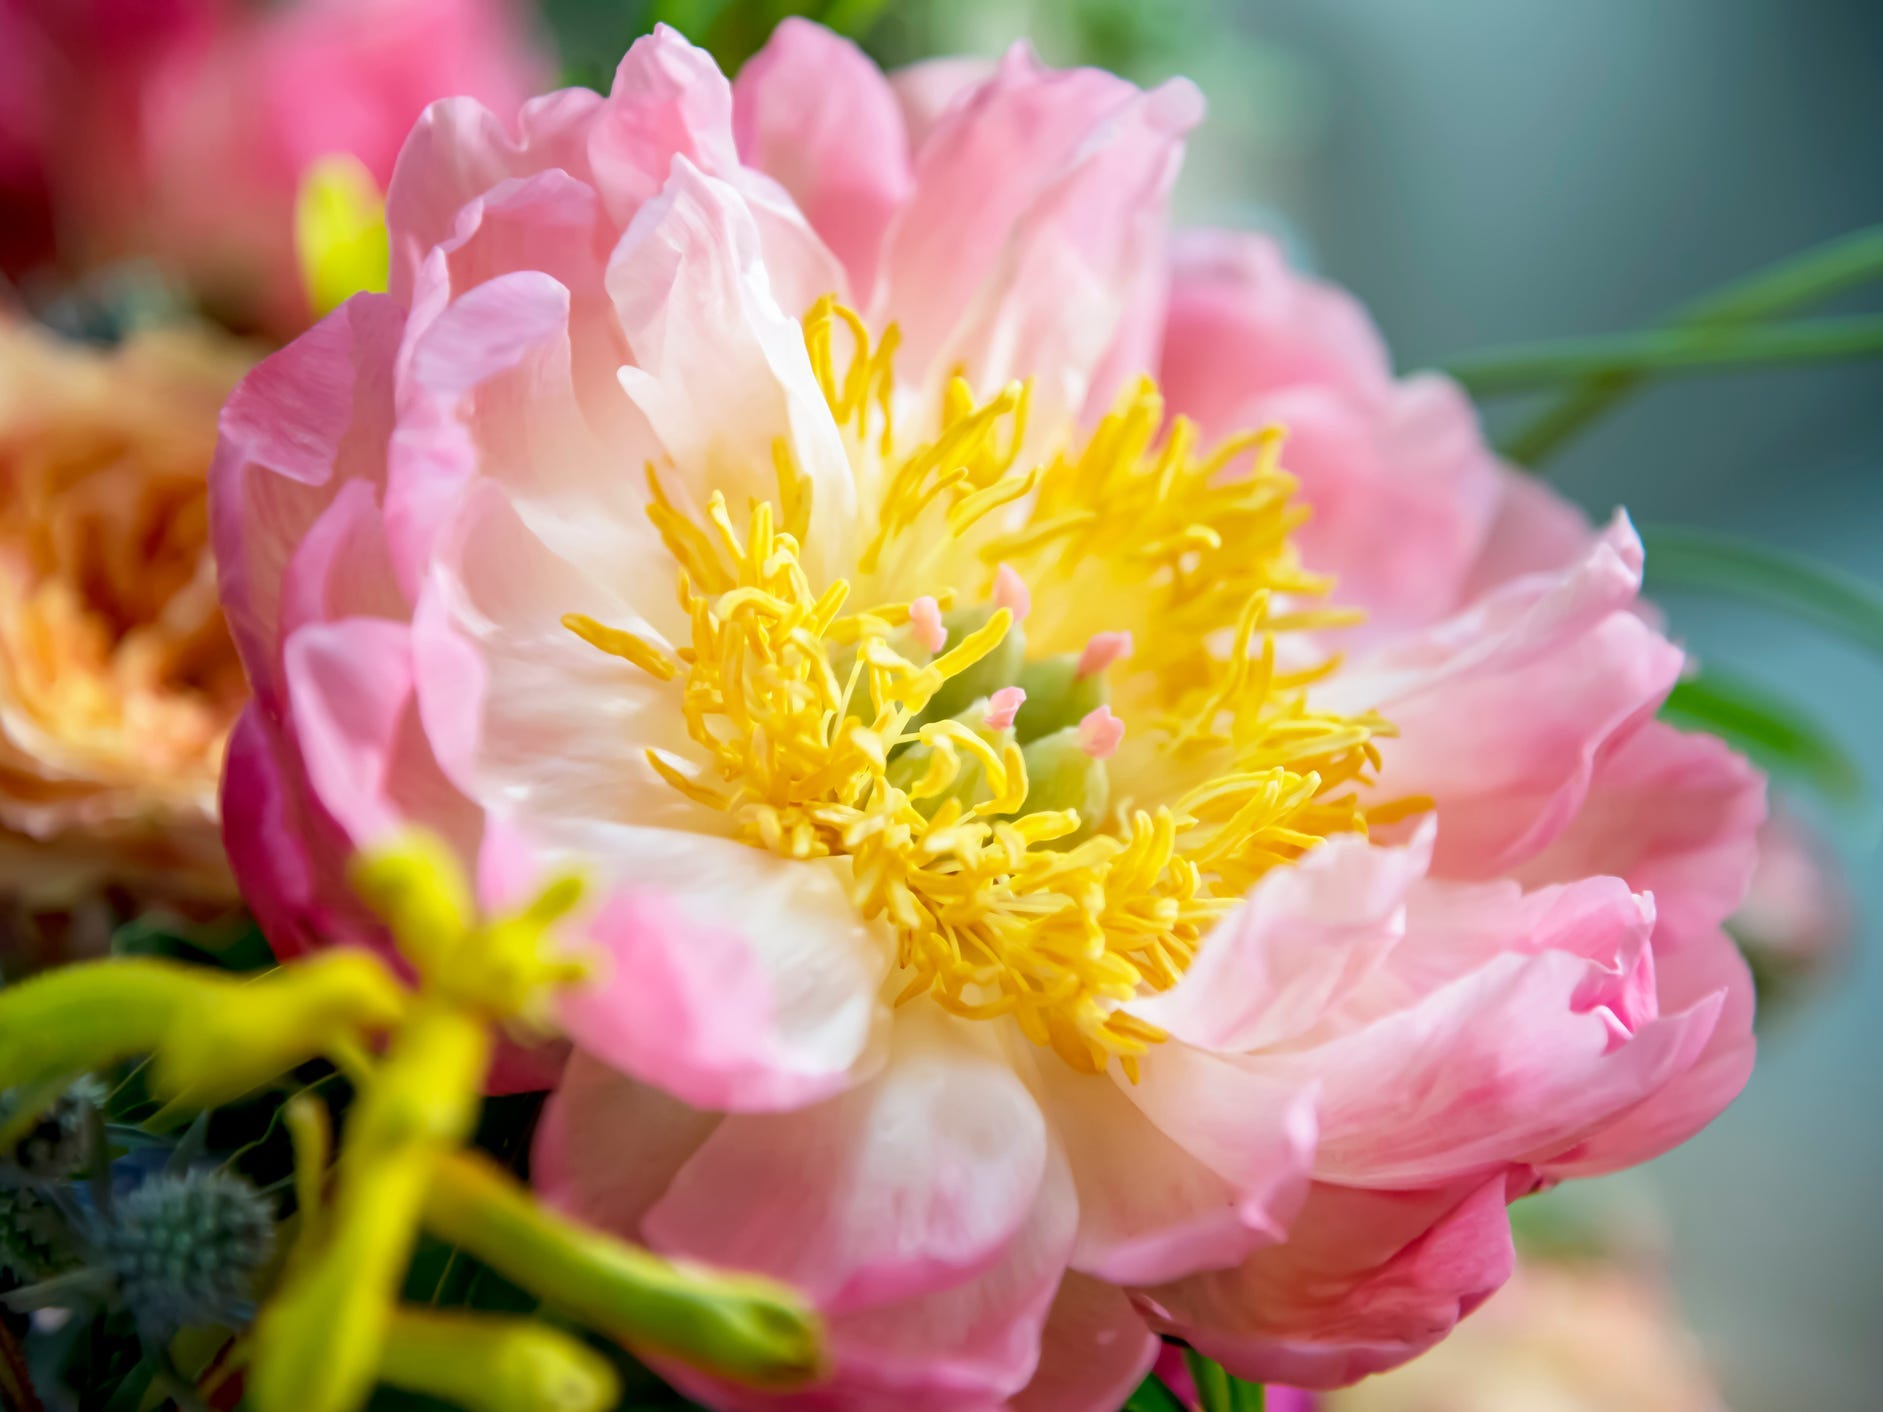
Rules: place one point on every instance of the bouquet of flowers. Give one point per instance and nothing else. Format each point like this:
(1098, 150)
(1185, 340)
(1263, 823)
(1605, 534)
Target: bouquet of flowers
(746, 736)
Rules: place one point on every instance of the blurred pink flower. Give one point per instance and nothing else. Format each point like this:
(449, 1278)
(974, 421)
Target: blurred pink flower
(180, 129)
(1007, 1088)
(1797, 916)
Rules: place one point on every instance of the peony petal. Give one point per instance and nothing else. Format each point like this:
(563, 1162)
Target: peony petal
(1701, 970)
(1243, 326)
(526, 716)
(608, 1146)
(1094, 1351)
(1503, 710)
(910, 1183)
(304, 422)
(822, 963)
(720, 370)
(671, 106)
(1034, 231)
(1366, 1281)
(814, 112)
(1677, 815)
(356, 722)
(459, 150)
(1303, 939)
(1149, 1210)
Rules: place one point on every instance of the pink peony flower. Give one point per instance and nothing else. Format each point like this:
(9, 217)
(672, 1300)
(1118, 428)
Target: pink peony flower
(1232, 982)
(194, 120)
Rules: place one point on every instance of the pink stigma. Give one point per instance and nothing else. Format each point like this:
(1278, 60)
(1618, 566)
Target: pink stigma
(1104, 649)
(1100, 733)
(1011, 593)
(1002, 706)
(925, 620)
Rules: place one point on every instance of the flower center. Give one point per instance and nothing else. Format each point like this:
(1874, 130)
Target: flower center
(1056, 718)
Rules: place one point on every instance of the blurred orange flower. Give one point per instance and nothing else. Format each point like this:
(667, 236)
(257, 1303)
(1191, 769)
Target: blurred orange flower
(118, 682)
(1569, 1336)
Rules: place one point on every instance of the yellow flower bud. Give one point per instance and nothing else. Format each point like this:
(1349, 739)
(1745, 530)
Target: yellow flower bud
(487, 1364)
(741, 1327)
(340, 232)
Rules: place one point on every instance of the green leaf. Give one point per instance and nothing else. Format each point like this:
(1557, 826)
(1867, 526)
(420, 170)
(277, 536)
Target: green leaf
(1831, 598)
(1153, 1396)
(1773, 732)
(1524, 367)
(1808, 278)
(1218, 1390)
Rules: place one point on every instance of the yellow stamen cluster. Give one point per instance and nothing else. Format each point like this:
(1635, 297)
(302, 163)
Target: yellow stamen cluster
(799, 694)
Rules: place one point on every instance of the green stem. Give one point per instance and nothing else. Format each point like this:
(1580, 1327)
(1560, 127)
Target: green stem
(1677, 350)
(1807, 278)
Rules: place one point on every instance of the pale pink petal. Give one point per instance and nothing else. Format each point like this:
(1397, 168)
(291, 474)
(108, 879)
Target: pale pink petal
(356, 723)
(1700, 970)
(524, 715)
(926, 90)
(1519, 1060)
(687, 1006)
(1033, 239)
(342, 568)
(1503, 710)
(814, 112)
(671, 106)
(767, 927)
(1305, 937)
(1150, 1210)
(1400, 481)
(1677, 815)
(1094, 1351)
(720, 369)
(1242, 325)
(460, 150)
(608, 1146)
(1366, 1281)
(302, 423)
(913, 1182)
(966, 1348)
(1535, 530)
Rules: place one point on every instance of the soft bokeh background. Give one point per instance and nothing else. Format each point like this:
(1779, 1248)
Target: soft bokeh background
(1493, 171)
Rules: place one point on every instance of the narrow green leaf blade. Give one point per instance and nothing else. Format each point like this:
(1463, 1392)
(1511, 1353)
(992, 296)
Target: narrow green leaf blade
(1774, 733)
(1833, 599)
(1665, 352)
(1807, 278)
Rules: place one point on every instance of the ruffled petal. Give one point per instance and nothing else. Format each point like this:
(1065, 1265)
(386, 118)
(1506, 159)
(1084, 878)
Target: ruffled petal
(1503, 710)
(720, 369)
(304, 422)
(608, 1146)
(1517, 1060)
(813, 111)
(1094, 1350)
(1677, 815)
(912, 1182)
(1700, 970)
(1150, 1209)
(1033, 239)
(1306, 936)
(1367, 1280)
